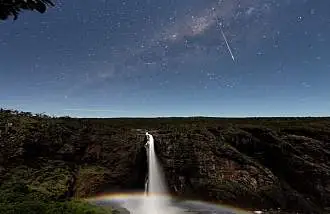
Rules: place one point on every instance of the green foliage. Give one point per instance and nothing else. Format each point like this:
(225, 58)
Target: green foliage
(49, 181)
(20, 199)
(89, 178)
(51, 207)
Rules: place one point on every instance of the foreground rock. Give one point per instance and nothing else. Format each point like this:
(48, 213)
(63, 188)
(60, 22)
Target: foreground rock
(278, 164)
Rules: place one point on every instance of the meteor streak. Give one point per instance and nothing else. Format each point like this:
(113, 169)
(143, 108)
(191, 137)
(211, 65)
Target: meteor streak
(224, 37)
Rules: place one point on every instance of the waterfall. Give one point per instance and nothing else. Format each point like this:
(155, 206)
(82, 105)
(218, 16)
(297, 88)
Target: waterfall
(155, 183)
(155, 199)
(155, 186)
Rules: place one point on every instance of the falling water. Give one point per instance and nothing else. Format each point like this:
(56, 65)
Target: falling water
(155, 200)
(155, 185)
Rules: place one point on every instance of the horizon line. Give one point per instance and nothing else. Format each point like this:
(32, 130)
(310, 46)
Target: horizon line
(164, 116)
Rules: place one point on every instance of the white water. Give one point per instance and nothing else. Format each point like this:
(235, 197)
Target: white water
(155, 186)
(155, 200)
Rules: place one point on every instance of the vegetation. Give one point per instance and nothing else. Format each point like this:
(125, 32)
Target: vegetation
(21, 198)
(32, 180)
(12, 8)
(49, 164)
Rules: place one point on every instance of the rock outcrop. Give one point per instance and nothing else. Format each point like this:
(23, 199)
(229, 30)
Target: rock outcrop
(249, 166)
(249, 163)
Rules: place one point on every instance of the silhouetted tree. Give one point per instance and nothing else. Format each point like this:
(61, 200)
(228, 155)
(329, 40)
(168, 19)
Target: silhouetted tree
(14, 7)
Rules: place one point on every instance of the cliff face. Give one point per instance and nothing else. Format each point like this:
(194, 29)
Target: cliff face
(256, 163)
(248, 166)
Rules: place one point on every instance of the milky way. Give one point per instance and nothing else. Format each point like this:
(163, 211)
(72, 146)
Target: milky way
(186, 26)
(148, 57)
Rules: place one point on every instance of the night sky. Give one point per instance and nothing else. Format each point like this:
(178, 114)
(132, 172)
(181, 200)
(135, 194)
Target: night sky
(146, 58)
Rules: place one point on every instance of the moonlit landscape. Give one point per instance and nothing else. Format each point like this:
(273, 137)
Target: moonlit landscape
(164, 106)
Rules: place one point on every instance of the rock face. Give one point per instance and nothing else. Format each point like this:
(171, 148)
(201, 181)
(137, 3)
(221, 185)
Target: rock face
(248, 163)
(251, 166)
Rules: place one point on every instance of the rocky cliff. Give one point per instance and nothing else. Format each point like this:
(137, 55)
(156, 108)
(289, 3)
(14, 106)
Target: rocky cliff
(270, 163)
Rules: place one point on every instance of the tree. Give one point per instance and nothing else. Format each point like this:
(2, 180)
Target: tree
(14, 7)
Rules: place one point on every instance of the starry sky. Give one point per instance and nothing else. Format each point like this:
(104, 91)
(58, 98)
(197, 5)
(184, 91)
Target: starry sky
(147, 58)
